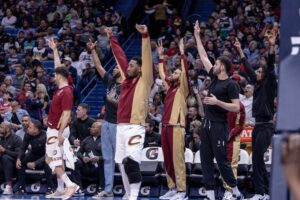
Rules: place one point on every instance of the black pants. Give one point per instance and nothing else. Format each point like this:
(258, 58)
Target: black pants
(29, 157)
(88, 170)
(213, 139)
(261, 140)
(7, 166)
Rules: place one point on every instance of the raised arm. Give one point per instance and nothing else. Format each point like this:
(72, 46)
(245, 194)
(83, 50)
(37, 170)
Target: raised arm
(92, 46)
(117, 51)
(271, 57)
(249, 70)
(184, 81)
(53, 46)
(202, 53)
(161, 69)
(147, 66)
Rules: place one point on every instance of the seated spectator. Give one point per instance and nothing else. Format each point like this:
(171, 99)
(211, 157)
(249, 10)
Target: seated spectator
(41, 31)
(9, 82)
(9, 20)
(3, 67)
(18, 77)
(31, 79)
(26, 120)
(16, 115)
(11, 42)
(40, 52)
(194, 143)
(22, 96)
(154, 113)
(90, 161)
(29, 43)
(9, 149)
(27, 29)
(43, 97)
(50, 34)
(80, 127)
(68, 64)
(41, 75)
(152, 139)
(5, 105)
(34, 106)
(12, 58)
(33, 157)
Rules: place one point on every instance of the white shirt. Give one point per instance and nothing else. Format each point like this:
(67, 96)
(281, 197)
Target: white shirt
(9, 22)
(248, 102)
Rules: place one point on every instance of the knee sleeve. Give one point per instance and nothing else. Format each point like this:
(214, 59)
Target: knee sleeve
(132, 169)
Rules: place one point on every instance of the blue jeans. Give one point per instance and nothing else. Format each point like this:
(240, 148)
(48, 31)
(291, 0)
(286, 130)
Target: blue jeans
(108, 146)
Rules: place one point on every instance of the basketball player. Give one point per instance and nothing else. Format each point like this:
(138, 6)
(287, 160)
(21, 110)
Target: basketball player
(132, 111)
(173, 125)
(58, 128)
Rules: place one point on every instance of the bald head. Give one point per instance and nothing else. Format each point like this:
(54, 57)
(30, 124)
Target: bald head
(5, 128)
(96, 128)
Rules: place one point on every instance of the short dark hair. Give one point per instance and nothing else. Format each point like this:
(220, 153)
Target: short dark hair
(226, 62)
(85, 106)
(150, 122)
(138, 60)
(37, 124)
(63, 71)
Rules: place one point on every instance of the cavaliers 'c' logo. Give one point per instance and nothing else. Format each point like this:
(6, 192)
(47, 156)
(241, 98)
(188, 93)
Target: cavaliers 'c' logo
(51, 140)
(134, 140)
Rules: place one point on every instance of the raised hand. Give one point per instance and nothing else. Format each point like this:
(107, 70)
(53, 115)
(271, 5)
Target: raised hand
(160, 49)
(237, 44)
(272, 37)
(91, 45)
(181, 46)
(141, 28)
(52, 44)
(108, 31)
(197, 29)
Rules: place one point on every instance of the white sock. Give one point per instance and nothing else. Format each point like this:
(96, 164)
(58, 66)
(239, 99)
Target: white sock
(134, 190)
(60, 185)
(210, 194)
(124, 179)
(236, 191)
(66, 180)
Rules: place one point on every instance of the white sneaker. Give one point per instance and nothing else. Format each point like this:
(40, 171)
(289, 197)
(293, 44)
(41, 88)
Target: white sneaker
(179, 196)
(55, 195)
(7, 190)
(169, 194)
(259, 197)
(228, 196)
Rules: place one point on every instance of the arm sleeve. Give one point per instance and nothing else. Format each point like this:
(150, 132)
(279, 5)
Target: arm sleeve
(147, 61)
(39, 162)
(249, 70)
(17, 145)
(162, 74)
(239, 123)
(270, 63)
(81, 150)
(184, 81)
(119, 54)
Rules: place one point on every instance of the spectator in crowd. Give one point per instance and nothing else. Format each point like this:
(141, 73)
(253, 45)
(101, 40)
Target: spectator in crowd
(34, 106)
(108, 132)
(12, 59)
(152, 139)
(90, 163)
(40, 52)
(194, 143)
(68, 64)
(5, 105)
(9, 85)
(33, 157)
(41, 75)
(9, 148)
(11, 42)
(31, 78)
(18, 78)
(81, 125)
(29, 43)
(15, 116)
(26, 120)
(9, 20)
(43, 97)
(23, 94)
(26, 28)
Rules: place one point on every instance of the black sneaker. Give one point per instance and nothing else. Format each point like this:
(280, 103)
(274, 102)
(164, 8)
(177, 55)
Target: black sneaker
(79, 193)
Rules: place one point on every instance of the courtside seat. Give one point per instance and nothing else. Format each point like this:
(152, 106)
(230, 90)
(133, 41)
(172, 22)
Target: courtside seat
(196, 173)
(151, 157)
(189, 160)
(243, 165)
